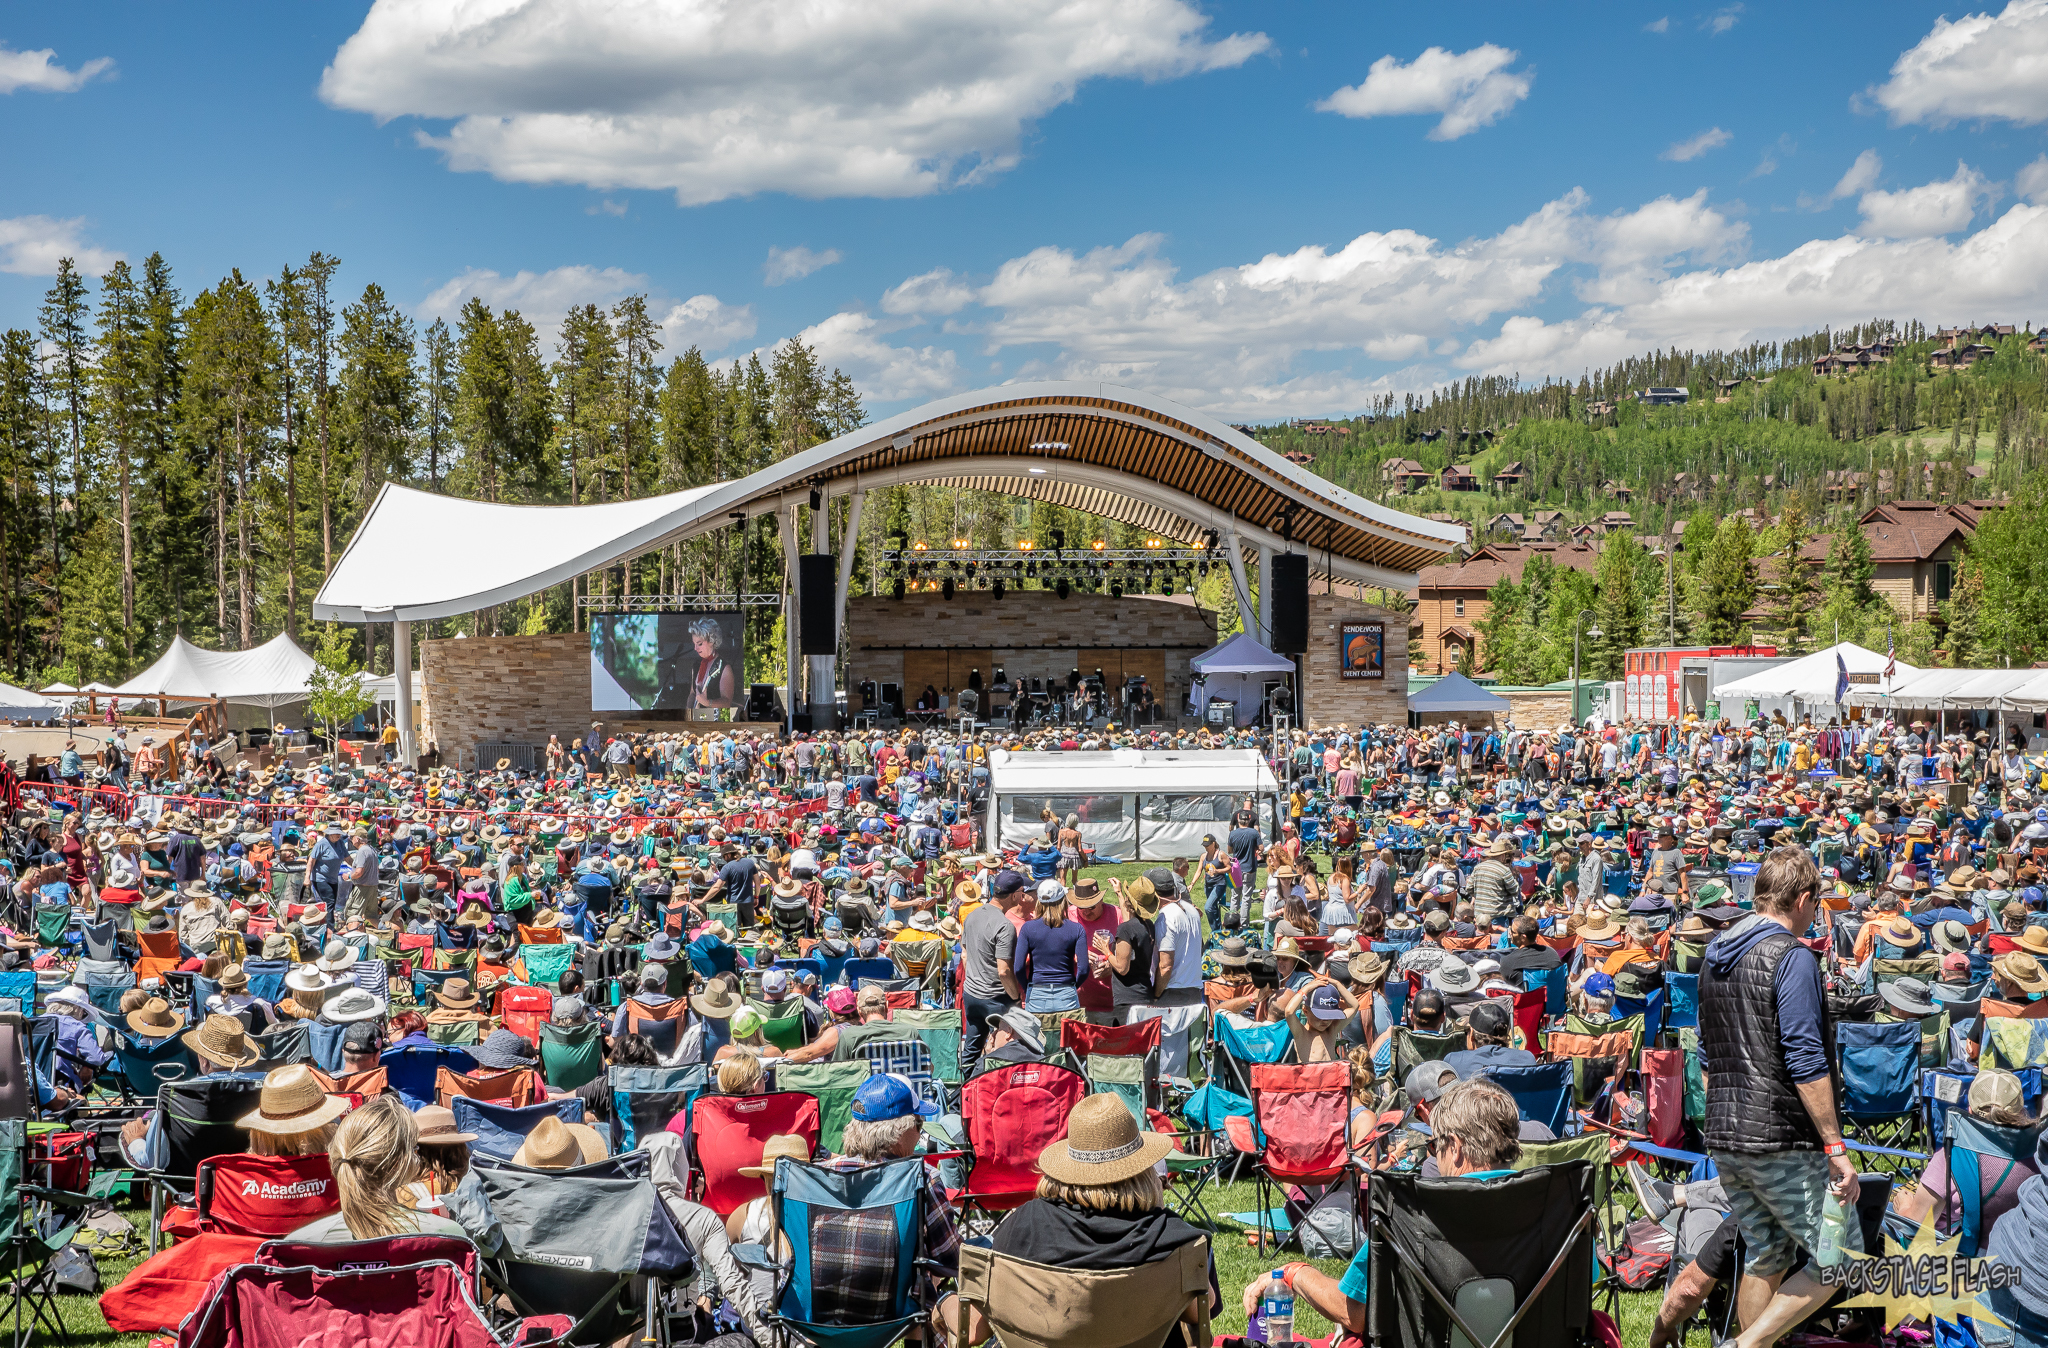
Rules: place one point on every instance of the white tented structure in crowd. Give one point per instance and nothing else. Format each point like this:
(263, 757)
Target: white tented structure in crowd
(1133, 805)
(270, 676)
(1811, 683)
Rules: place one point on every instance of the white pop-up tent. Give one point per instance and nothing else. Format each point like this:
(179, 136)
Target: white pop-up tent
(1145, 805)
(1814, 681)
(19, 704)
(270, 676)
(1237, 671)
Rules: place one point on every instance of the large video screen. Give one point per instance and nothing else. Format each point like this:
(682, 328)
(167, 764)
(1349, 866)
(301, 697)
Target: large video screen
(667, 661)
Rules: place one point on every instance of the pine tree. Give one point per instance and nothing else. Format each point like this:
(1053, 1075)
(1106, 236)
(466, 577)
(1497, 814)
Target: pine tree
(120, 414)
(376, 398)
(1725, 581)
(317, 275)
(1623, 606)
(234, 360)
(438, 394)
(287, 297)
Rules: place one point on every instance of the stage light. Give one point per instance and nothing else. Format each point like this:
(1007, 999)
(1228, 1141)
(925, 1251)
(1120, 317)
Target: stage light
(1031, 569)
(1155, 542)
(899, 587)
(1209, 538)
(998, 587)
(1059, 540)
(920, 546)
(817, 499)
(1098, 545)
(961, 543)
(1025, 545)
(1062, 589)
(947, 588)
(1116, 590)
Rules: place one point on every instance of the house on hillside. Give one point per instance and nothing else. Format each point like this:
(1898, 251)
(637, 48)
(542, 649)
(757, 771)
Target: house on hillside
(1459, 477)
(1914, 545)
(1617, 491)
(1961, 357)
(1659, 396)
(1965, 336)
(1299, 456)
(1450, 598)
(1616, 522)
(1404, 475)
(1506, 525)
(1511, 478)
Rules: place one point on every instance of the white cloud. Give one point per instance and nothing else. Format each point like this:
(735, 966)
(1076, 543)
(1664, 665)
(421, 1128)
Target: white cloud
(853, 342)
(1861, 177)
(936, 292)
(1711, 139)
(793, 264)
(1471, 89)
(1662, 25)
(2032, 181)
(542, 298)
(605, 207)
(881, 98)
(1934, 208)
(1981, 66)
(32, 245)
(1720, 21)
(38, 70)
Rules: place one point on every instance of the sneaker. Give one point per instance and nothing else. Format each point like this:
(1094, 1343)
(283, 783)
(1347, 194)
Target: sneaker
(1654, 1194)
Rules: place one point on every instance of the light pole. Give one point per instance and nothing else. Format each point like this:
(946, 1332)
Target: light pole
(1593, 632)
(1670, 594)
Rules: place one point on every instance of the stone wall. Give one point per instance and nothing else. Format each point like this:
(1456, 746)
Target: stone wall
(924, 640)
(503, 690)
(1328, 698)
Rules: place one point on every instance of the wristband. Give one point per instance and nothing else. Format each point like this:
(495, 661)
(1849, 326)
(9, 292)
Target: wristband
(1288, 1271)
(1835, 1148)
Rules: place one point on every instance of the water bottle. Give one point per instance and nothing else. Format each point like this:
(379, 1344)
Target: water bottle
(1834, 1225)
(1278, 1308)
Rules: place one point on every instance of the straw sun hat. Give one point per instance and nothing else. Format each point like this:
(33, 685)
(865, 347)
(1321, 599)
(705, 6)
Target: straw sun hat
(292, 1102)
(554, 1145)
(779, 1146)
(1103, 1145)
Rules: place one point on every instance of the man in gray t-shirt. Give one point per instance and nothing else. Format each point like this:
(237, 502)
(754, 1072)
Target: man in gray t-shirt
(988, 978)
(362, 878)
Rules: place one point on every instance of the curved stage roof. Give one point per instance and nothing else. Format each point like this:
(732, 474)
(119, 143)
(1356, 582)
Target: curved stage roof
(1111, 451)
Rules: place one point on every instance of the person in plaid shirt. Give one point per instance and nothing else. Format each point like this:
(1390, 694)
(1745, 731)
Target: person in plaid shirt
(854, 1254)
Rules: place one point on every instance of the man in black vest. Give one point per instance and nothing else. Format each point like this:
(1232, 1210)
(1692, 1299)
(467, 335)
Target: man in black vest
(1767, 1048)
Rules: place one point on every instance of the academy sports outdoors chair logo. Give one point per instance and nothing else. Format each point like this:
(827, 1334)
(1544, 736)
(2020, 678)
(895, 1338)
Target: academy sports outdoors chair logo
(1927, 1280)
(284, 1193)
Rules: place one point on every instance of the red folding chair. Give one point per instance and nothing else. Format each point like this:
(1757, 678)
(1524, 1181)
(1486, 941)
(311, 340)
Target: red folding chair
(419, 940)
(524, 1010)
(1305, 1114)
(1011, 1115)
(1115, 1041)
(246, 1195)
(1527, 1012)
(729, 1131)
(512, 1086)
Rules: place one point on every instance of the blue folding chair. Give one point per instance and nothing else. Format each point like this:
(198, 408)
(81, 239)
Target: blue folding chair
(412, 1072)
(146, 1064)
(1880, 1069)
(810, 964)
(1552, 981)
(1542, 1093)
(266, 978)
(500, 1129)
(644, 1099)
(812, 1297)
(854, 970)
(1682, 1010)
(1976, 1151)
(324, 1042)
(1238, 1046)
(1943, 1092)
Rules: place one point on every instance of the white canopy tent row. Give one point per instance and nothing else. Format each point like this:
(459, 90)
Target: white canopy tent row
(1141, 805)
(1236, 671)
(1813, 682)
(19, 704)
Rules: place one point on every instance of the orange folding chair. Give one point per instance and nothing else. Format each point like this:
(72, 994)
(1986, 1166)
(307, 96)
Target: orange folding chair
(1304, 1112)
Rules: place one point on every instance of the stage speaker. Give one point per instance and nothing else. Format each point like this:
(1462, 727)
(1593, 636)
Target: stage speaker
(1290, 603)
(761, 702)
(817, 603)
(803, 723)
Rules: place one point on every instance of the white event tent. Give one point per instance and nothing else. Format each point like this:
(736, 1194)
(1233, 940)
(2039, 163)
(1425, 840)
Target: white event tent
(19, 704)
(270, 676)
(1236, 671)
(1144, 805)
(1812, 681)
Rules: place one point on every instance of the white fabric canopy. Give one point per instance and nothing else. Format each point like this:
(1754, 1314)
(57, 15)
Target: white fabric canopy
(59, 688)
(1950, 689)
(2029, 696)
(1152, 805)
(1815, 678)
(19, 704)
(271, 675)
(1241, 654)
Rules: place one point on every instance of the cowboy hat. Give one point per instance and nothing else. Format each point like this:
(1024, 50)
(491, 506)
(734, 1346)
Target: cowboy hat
(1901, 932)
(155, 1019)
(718, 1001)
(1103, 1145)
(1501, 847)
(292, 1102)
(1694, 927)
(438, 1127)
(949, 928)
(309, 978)
(2034, 940)
(222, 1039)
(1600, 927)
(554, 1145)
(234, 978)
(2021, 969)
(778, 1147)
(456, 995)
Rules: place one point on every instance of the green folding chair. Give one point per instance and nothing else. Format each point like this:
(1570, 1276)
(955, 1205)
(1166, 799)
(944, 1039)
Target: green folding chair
(782, 1023)
(461, 1033)
(940, 1031)
(1123, 1077)
(1412, 1048)
(28, 1250)
(834, 1084)
(571, 1055)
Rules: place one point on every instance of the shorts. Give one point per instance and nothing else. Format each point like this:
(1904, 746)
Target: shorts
(1777, 1198)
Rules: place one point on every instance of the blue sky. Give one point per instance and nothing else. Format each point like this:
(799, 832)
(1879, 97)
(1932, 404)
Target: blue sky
(1265, 210)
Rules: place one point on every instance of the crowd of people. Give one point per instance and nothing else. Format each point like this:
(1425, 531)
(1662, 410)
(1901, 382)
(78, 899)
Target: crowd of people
(1407, 886)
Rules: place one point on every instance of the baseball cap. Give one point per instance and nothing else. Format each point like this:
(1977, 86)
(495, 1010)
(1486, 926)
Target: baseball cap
(1489, 1018)
(1437, 923)
(1993, 1088)
(1955, 963)
(1162, 880)
(775, 985)
(1325, 1004)
(1599, 985)
(839, 1001)
(1427, 1081)
(888, 1096)
(1009, 882)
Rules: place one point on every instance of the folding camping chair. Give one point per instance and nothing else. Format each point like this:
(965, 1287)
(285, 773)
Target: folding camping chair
(380, 1252)
(907, 1058)
(1880, 1070)
(729, 1131)
(571, 1055)
(1497, 1261)
(31, 1245)
(1139, 1042)
(1543, 1093)
(782, 1023)
(414, 1072)
(859, 972)
(939, 1029)
(1977, 1152)
(1682, 1001)
(511, 1086)
(248, 1195)
(194, 1121)
(456, 1033)
(283, 1043)
(816, 1297)
(646, 1099)
(544, 965)
(147, 1064)
(1412, 1048)
(1238, 1044)
(1039, 1306)
(500, 1129)
(1303, 1117)
(429, 1302)
(1942, 1093)
(834, 1084)
(524, 1010)
(1011, 1114)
